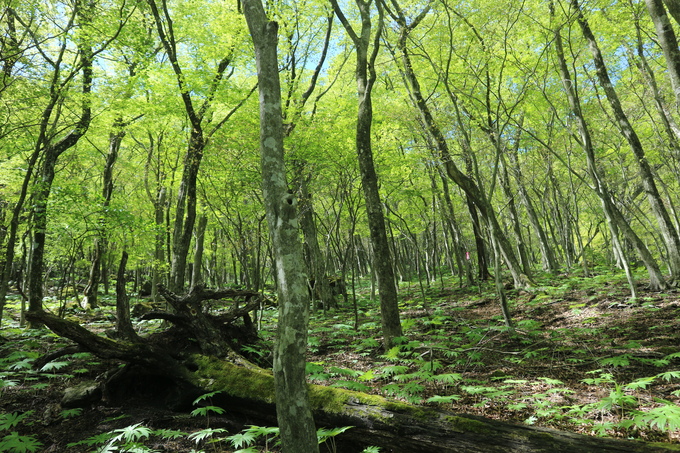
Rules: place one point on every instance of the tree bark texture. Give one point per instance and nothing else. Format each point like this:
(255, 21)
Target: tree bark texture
(668, 42)
(100, 244)
(315, 260)
(196, 278)
(296, 424)
(124, 327)
(383, 265)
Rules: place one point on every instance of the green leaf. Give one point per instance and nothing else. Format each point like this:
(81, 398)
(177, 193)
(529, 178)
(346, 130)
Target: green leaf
(169, 433)
(324, 434)
(24, 364)
(669, 375)
(641, 383)
(203, 434)
(54, 366)
(68, 413)
(443, 399)
(132, 433)
(448, 378)
(371, 450)
(664, 418)
(344, 371)
(351, 385)
(367, 376)
(551, 381)
(617, 361)
(204, 396)
(207, 410)
(8, 421)
(241, 439)
(19, 444)
(391, 370)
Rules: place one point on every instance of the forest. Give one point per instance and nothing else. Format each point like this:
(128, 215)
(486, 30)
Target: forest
(362, 226)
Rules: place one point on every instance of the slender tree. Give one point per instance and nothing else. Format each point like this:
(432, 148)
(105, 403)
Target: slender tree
(199, 117)
(615, 219)
(365, 77)
(50, 148)
(668, 231)
(294, 414)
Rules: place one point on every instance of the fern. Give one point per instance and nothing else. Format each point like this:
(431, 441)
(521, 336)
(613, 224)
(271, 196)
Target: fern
(344, 372)
(443, 399)
(351, 385)
(132, 433)
(664, 418)
(206, 410)
(617, 361)
(14, 443)
(54, 366)
(8, 421)
(169, 433)
(204, 434)
(669, 375)
(68, 413)
(448, 378)
(241, 439)
(204, 397)
(391, 370)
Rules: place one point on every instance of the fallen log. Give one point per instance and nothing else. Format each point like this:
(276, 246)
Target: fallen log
(247, 393)
(393, 426)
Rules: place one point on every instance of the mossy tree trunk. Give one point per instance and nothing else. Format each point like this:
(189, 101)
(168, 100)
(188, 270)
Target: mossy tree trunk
(295, 420)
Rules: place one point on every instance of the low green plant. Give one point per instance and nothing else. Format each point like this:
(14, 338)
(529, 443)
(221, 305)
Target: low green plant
(69, 413)
(15, 442)
(128, 439)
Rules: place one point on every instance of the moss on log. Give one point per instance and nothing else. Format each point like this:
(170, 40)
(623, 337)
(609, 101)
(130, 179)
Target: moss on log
(393, 426)
(247, 392)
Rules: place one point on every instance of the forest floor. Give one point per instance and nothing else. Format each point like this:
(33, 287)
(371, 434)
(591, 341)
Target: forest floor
(582, 357)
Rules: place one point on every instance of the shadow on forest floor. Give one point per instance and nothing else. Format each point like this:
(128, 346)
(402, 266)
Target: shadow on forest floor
(583, 358)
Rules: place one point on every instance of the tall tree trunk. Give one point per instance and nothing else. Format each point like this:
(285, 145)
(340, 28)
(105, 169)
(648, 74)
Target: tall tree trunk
(294, 414)
(365, 78)
(13, 230)
(50, 153)
(100, 245)
(668, 231)
(124, 327)
(615, 219)
(159, 250)
(514, 217)
(465, 182)
(667, 41)
(196, 278)
(547, 254)
(462, 255)
(185, 214)
(315, 260)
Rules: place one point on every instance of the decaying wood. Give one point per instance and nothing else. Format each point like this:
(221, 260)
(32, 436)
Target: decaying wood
(141, 353)
(248, 394)
(397, 427)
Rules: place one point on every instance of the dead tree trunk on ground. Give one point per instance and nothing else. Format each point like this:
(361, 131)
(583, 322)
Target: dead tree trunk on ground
(248, 393)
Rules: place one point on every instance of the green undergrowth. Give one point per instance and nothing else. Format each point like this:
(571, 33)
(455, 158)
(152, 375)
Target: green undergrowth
(582, 356)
